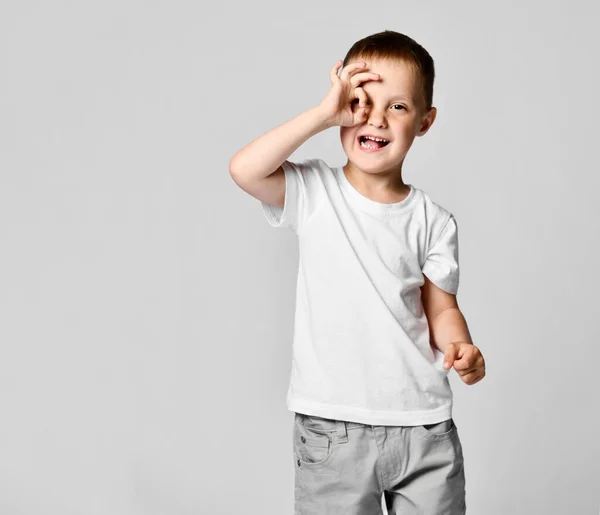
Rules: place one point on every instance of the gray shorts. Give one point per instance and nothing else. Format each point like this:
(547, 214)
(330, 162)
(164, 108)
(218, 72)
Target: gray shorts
(346, 467)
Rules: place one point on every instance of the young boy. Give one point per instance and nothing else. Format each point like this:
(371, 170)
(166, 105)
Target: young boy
(376, 308)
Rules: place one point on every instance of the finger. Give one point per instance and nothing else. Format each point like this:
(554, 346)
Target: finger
(468, 356)
(360, 113)
(333, 74)
(362, 97)
(350, 68)
(461, 371)
(471, 378)
(464, 365)
(449, 355)
(470, 362)
(476, 379)
(359, 78)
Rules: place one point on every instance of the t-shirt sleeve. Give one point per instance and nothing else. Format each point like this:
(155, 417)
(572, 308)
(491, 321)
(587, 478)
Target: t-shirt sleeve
(441, 263)
(292, 213)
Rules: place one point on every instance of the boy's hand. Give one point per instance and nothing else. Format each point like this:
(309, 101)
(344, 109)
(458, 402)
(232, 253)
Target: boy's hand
(467, 360)
(337, 106)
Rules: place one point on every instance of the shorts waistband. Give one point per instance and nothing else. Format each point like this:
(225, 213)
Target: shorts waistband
(340, 425)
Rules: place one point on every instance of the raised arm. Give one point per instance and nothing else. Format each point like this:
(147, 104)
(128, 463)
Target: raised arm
(256, 168)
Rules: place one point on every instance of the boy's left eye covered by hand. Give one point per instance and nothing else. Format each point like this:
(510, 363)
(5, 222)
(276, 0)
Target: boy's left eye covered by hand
(467, 361)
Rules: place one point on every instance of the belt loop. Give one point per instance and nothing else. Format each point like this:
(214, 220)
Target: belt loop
(341, 431)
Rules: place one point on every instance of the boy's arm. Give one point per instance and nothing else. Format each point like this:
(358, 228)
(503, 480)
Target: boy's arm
(257, 167)
(446, 322)
(251, 166)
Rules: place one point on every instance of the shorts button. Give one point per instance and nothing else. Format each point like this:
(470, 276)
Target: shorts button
(303, 439)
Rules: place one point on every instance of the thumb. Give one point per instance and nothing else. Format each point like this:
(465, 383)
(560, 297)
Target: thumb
(449, 355)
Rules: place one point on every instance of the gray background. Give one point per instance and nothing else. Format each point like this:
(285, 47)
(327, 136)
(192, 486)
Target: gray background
(146, 306)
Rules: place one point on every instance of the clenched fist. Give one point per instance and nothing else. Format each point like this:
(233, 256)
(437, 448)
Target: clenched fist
(467, 361)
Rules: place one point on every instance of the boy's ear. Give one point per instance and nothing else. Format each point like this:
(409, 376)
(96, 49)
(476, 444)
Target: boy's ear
(427, 121)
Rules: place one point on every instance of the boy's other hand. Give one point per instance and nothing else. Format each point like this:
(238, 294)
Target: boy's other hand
(467, 361)
(338, 106)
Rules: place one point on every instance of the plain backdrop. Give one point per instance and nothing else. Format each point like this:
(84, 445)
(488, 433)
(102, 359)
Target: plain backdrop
(146, 305)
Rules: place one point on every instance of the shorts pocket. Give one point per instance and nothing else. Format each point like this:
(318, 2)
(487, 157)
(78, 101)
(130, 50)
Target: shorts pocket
(311, 446)
(317, 424)
(438, 431)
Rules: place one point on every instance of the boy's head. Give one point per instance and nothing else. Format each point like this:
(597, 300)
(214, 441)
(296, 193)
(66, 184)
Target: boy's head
(399, 104)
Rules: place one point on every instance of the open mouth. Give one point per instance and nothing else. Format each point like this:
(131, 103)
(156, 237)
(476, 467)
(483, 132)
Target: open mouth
(372, 144)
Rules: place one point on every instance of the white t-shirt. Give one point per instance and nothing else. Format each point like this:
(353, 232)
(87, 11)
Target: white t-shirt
(361, 348)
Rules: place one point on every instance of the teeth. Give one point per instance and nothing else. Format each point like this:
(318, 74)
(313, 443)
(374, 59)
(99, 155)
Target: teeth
(364, 145)
(374, 139)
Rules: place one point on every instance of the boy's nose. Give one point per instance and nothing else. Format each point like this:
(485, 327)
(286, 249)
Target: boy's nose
(375, 118)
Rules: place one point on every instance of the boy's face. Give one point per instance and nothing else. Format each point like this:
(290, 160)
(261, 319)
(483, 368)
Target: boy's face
(395, 111)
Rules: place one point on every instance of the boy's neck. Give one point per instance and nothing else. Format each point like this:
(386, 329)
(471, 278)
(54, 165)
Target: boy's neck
(384, 187)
